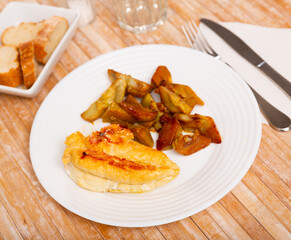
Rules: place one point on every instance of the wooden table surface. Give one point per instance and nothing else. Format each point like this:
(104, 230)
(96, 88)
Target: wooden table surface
(257, 208)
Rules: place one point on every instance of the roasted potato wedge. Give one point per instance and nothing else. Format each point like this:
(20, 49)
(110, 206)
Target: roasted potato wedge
(188, 144)
(114, 111)
(173, 102)
(205, 125)
(186, 93)
(161, 77)
(135, 87)
(139, 112)
(142, 135)
(115, 93)
(170, 129)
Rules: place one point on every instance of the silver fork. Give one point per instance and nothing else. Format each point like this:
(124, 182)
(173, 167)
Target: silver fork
(277, 120)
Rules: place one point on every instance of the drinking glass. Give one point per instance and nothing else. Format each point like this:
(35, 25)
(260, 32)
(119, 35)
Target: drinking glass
(140, 15)
(86, 9)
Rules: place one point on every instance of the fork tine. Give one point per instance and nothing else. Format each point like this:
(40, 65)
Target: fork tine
(190, 37)
(187, 35)
(196, 38)
(203, 40)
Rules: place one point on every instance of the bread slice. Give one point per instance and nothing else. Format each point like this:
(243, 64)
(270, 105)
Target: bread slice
(10, 73)
(27, 63)
(49, 35)
(22, 33)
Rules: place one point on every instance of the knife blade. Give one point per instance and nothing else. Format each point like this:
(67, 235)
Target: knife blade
(249, 54)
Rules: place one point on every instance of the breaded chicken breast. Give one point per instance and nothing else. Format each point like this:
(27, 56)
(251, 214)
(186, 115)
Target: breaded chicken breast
(110, 160)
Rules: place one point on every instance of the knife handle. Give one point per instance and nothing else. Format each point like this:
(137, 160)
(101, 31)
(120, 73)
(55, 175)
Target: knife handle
(282, 82)
(277, 120)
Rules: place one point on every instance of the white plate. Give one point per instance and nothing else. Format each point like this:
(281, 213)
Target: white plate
(205, 177)
(17, 12)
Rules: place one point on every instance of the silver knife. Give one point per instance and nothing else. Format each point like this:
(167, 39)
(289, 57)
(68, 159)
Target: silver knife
(246, 52)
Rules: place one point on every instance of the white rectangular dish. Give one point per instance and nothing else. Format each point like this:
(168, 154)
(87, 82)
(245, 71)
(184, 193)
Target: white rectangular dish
(15, 13)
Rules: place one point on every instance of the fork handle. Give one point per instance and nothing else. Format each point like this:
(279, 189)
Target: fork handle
(277, 120)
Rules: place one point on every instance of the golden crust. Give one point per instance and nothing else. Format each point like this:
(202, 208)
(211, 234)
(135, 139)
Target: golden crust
(44, 36)
(13, 77)
(15, 38)
(112, 154)
(28, 64)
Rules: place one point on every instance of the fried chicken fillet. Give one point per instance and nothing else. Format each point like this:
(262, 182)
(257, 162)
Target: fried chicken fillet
(110, 160)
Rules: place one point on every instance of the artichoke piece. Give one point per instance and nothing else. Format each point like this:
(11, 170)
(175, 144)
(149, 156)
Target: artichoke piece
(113, 75)
(114, 111)
(205, 125)
(186, 93)
(188, 144)
(183, 117)
(135, 87)
(161, 77)
(169, 131)
(122, 123)
(147, 124)
(173, 102)
(115, 93)
(147, 100)
(157, 124)
(138, 88)
(131, 99)
(142, 135)
(161, 107)
(139, 112)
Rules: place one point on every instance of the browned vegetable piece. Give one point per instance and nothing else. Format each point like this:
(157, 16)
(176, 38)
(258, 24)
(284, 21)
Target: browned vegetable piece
(135, 87)
(161, 107)
(113, 75)
(173, 102)
(188, 144)
(147, 124)
(139, 112)
(114, 111)
(183, 117)
(205, 125)
(115, 93)
(138, 88)
(161, 77)
(186, 93)
(147, 100)
(122, 123)
(157, 124)
(131, 99)
(170, 129)
(142, 135)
